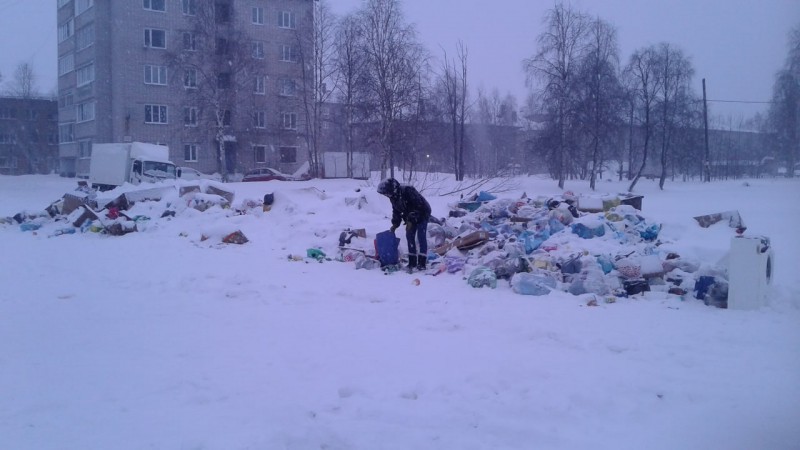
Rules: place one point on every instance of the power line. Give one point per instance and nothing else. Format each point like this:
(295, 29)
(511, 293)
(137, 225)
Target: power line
(736, 101)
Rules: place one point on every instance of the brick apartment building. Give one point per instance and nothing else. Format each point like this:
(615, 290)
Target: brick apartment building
(186, 73)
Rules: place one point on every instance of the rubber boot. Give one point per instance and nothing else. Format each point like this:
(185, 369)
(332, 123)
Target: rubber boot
(422, 262)
(412, 263)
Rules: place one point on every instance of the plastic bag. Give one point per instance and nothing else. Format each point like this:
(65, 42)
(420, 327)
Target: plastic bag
(532, 284)
(482, 276)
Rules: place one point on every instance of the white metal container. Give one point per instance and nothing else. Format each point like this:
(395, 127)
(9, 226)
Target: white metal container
(750, 268)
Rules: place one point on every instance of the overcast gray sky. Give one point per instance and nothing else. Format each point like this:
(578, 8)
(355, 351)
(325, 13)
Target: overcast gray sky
(737, 45)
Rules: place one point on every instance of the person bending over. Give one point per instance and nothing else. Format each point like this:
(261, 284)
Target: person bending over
(409, 206)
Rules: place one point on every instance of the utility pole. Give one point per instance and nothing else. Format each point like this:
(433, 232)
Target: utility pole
(707, 160)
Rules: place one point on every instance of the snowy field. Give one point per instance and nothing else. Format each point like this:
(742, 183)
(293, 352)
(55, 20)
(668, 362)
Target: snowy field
(161, 340)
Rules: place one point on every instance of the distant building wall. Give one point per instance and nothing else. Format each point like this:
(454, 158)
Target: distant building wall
(28, 135)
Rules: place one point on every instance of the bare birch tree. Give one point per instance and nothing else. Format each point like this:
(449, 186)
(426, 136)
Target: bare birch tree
(784, 112)
(350, 64)
(454, 84)
(560, 47)
(24, 84)
(316, 42)
(675, 72)
(394, 62)
(217, 65)
(642, 71)
(599, 95)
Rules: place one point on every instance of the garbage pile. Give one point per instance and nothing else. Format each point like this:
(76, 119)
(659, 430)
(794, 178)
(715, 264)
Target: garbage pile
(601, 246)
(83, 211)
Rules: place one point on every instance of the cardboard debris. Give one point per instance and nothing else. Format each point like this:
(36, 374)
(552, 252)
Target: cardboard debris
(188, 189)
(358, 202)
(237, 237)
(733, 218)
(125, 201)
(227, 195)
(79, 209)
(470, 240)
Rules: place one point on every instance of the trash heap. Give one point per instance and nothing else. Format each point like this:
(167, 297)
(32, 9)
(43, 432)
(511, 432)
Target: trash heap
(84, 211)
(589, 245)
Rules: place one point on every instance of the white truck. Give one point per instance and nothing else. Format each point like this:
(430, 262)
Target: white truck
(114, 164)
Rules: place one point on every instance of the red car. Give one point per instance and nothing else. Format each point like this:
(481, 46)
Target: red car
(267, 174)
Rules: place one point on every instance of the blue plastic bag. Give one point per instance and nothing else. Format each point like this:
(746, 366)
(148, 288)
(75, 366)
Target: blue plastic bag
(532, 284)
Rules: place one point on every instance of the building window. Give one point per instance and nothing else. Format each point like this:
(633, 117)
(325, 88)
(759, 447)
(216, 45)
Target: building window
(62, 3)
(286, 19)
(6, 113)
(66, 64)
(289, 121)
(288, 155)
(189, 41)
(288, 87)
(258, 50)
(258, 16)
(66, 30)
(222, 11)
(155, 114)
(190, 116)
(85, 74)
(155, 38)
(190, 152)
(154, 5)
(84, 112)
(260, 119)
(288, 53)
(226, 118)
(155, 75)
(224, 81)
(222, 46)
(189, 7)
(7, 138)
(84, 37)
(66, 133)
(82, 5)
(260, 153)
(66, 99)
(190, 79)
(260, 84)
(85, 149)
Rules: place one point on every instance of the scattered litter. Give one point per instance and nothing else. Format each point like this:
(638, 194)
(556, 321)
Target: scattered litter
(315, 253)
(542, 244)
(482, 276)
(128, 212)
(237, 237)
(733, 218)
(269, 199)
(358, 202)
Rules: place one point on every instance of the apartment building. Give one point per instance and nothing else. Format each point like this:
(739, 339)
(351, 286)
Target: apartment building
(215, 80)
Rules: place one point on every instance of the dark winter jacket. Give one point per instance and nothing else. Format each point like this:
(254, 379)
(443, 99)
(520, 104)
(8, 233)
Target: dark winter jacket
(409, 205)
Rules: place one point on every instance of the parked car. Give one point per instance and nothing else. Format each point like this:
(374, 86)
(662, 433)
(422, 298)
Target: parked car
(267, 174)
(188, 173)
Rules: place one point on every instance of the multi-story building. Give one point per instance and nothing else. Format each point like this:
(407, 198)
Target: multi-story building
(215, 80)
(28, 135)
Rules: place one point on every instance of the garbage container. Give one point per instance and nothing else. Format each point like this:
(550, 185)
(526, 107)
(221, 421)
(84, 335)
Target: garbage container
(633, 200)
(750, 268)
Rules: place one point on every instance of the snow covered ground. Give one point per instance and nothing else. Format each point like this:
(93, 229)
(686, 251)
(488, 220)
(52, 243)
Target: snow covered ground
(161, 340)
